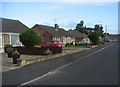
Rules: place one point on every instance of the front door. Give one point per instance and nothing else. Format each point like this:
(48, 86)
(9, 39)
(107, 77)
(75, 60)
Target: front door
(5, 39)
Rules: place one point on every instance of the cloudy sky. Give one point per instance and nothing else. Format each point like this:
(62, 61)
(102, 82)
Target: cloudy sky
(65, 14)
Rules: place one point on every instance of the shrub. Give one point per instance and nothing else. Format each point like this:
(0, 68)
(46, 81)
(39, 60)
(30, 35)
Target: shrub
(67, 44)
(30, 38)
(8, 48)
(48, 52)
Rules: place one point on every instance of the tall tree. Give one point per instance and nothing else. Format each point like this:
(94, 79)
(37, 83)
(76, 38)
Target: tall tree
(99, 30)
(94, 37)
(82, 23)
(96, 28)
(80, 27)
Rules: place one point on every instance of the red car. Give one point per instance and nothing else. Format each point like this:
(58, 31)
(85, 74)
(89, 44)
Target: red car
(53, 43)
(54, 46)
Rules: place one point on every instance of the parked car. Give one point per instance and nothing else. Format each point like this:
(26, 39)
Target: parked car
(54, 46)
(85, 41)
(51, 44)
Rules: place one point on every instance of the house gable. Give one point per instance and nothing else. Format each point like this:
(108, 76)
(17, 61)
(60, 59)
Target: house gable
(51, 30)
(43, 32)
(51, 33)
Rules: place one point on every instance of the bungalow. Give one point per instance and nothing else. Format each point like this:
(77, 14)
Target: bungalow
(75, 36)
(10, 31)
(55, 33)
(51, 33)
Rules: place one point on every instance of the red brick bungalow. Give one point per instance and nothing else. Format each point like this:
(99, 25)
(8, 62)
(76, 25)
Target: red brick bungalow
(51, 33)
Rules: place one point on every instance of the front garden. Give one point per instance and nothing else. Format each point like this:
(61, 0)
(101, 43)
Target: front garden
(31, 40)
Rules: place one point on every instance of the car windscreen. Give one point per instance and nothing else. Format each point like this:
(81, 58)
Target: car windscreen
(48, 42)
(52, 42)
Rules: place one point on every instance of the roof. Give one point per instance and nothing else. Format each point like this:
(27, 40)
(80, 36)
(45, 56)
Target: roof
(14, 26)
(75, 33)
(53, 31)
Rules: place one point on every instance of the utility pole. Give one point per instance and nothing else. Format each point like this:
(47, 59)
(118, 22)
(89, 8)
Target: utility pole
(106, 31)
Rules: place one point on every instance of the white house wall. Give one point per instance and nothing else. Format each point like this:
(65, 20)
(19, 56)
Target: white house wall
(0, 39)
(61, 39)
(12, 38)
(65, 40)
(70, 40)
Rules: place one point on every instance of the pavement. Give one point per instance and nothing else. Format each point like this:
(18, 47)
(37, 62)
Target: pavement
(7, 63)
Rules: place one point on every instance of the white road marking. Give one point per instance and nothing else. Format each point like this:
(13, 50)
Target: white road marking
(56, 70)
(35, 79)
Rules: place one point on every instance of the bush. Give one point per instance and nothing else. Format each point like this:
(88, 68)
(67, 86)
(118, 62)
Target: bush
(94, 37)
(8, 48)
(67, 44)
(48, 52)
(30, 38)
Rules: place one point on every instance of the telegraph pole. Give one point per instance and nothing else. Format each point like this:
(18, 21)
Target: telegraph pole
(106, 31)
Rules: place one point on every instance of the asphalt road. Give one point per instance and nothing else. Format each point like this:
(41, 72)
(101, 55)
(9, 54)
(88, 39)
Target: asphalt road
(98, 66)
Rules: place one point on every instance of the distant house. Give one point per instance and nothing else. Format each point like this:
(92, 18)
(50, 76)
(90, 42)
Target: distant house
(51, 33)
(10, 31)
(75, 36)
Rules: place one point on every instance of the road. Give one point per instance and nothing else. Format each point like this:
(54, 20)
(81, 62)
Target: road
(98, 66)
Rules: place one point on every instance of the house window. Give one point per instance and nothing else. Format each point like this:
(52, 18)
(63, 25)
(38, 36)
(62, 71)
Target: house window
(57, 38)
(68, 40)
(63, 40)
(14, 39)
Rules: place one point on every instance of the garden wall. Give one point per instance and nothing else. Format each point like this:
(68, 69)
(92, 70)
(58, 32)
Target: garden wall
(37, 50)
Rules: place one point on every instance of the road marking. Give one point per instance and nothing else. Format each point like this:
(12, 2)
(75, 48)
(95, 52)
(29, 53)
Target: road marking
(35, 79)
(56, 70)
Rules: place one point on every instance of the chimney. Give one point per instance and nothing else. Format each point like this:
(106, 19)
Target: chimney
(56, 27)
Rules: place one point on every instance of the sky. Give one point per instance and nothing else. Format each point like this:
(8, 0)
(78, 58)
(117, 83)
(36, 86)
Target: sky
(65, 14)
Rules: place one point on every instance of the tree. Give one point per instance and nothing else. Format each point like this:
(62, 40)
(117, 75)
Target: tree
(94, 37)
(30, 38)
(99, 30)
(80, 27)
(81, 23)
(96, 28)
